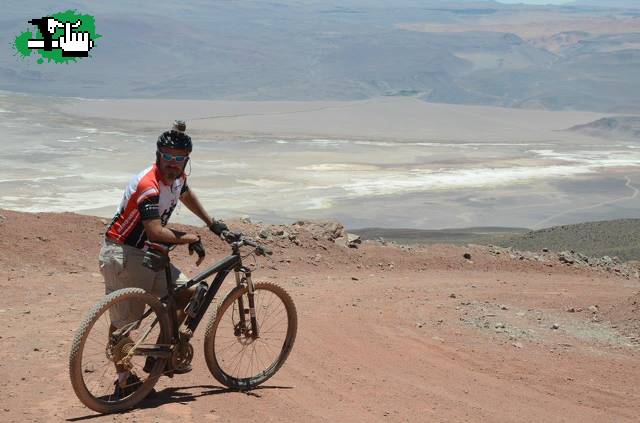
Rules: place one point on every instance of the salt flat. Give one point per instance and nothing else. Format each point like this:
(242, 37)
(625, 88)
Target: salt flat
(391, 162)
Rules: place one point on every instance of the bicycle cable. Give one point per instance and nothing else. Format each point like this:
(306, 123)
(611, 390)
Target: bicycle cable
(255, 259)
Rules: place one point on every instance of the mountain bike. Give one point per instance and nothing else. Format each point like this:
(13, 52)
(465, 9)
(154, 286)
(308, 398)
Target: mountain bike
(247, 339)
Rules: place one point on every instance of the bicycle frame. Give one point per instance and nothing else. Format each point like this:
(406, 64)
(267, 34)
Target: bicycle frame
(221, 269)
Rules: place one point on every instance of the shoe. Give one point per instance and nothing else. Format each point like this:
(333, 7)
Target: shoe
(133, 382)
(150, 362)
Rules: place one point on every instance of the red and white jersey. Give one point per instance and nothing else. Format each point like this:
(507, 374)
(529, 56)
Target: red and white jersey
(146, 197)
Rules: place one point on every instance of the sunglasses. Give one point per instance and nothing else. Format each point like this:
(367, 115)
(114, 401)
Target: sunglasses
(169, 157)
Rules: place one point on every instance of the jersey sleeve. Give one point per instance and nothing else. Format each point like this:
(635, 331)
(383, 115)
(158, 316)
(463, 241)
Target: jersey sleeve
(149, 208)
(148, 201)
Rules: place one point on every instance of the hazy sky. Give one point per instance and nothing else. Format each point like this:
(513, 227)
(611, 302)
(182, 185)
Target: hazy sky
(537, 1)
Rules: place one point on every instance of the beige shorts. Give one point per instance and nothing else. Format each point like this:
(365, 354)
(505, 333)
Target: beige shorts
(121, 266)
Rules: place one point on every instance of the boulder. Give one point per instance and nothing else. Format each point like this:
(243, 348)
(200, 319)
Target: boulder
(325, 229)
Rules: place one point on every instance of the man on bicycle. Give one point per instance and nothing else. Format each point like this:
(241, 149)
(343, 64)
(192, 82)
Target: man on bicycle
(147, 204)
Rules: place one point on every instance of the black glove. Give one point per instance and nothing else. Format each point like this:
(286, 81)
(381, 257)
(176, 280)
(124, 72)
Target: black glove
(199, 250)
(218, 226)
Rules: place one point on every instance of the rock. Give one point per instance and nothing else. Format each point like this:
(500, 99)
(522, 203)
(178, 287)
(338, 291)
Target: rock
(326, 229)
(353, 278)
(353, 240)
(503, 307)
(2, 219)
(555, 326)
(341, 241)
(245, 220)
(467, 256)
(565, 257)
(517, 344)
(381, 240)
(419, 324)
(500, 325)
(264, 234)
(545, 250)
(594, 309)
(452, 295)
(278, 232)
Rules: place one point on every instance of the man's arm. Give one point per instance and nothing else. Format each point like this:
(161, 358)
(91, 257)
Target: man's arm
(190, 200)
(158, 233)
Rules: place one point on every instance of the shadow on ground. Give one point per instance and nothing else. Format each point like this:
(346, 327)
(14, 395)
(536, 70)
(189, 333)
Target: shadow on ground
(181, 394)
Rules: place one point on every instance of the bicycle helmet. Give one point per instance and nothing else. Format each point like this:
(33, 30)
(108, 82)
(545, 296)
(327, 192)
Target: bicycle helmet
(175, 139)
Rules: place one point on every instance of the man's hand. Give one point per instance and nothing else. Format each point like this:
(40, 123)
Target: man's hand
(217, 227)
(199, 249)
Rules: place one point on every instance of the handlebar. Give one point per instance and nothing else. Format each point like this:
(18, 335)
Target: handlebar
(239, 240)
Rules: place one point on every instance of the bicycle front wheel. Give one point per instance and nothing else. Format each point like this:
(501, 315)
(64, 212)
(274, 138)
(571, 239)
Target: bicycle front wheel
(103, 346)
(237, 358)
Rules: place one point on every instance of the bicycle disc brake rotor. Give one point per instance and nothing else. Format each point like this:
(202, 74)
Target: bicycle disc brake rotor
(242, 333)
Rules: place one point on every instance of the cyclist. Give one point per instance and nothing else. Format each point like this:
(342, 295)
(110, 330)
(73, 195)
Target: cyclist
(147, 204)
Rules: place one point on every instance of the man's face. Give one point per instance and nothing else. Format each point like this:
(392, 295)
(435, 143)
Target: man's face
(168, 165)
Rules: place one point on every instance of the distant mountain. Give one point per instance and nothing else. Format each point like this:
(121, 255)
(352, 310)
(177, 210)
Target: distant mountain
(352, 49)
(612, 238)
(630, 4)
(625, 127)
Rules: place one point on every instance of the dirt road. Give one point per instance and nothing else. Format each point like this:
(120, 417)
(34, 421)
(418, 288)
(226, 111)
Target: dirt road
(385, 334)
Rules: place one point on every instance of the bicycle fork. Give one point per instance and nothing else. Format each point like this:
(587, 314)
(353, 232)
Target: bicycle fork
(242, 280)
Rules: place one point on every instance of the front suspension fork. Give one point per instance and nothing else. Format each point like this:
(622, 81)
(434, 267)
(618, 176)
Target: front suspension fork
(246, 279)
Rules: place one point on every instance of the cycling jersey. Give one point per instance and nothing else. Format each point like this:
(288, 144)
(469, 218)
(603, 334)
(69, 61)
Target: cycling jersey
(146, 197)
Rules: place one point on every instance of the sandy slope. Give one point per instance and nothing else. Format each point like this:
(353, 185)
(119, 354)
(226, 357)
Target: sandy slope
(393, 345)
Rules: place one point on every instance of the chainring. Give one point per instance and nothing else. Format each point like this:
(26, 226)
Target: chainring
(182, 354)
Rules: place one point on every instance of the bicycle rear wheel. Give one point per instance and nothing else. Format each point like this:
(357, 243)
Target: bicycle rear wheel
(97, 348)
(236, 358)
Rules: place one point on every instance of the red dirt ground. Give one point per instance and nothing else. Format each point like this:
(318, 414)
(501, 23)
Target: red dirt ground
(385, 334)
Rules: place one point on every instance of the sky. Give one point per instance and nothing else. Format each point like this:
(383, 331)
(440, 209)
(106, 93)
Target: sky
(536, 1)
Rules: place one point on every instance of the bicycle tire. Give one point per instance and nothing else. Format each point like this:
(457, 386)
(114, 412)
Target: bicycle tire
(213, 328)
(76, 371)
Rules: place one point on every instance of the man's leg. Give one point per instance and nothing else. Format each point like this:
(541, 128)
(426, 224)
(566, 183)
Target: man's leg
(121, 266)
(182, 298)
